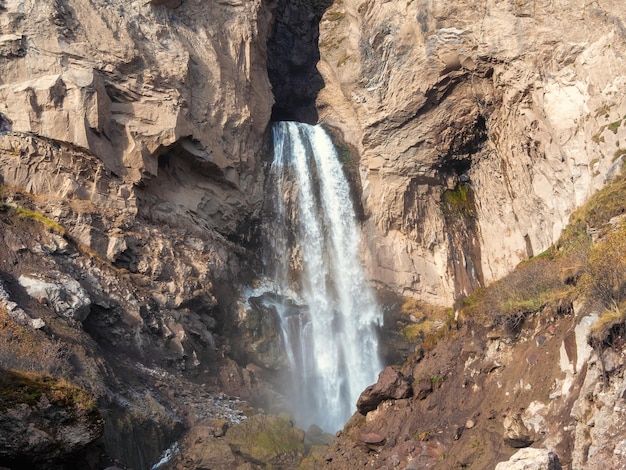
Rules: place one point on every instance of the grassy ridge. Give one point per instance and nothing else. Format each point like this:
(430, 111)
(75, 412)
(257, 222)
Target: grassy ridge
(587, 263)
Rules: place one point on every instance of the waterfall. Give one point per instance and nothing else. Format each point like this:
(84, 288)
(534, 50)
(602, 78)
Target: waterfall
(313, 257)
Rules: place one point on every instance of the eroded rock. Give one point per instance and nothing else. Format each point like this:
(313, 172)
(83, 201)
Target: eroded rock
(391, 385)
(68, 298)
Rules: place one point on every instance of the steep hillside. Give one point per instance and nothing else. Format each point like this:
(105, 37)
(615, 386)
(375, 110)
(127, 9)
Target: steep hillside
(534, 362)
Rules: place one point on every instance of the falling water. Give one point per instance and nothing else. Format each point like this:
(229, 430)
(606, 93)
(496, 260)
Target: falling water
(314, 260)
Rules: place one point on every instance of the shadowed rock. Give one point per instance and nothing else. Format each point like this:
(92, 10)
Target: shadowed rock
(391, 385)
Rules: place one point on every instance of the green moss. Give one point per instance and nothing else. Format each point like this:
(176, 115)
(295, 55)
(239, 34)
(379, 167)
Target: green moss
(266, 438)
(38, 216)
(277, 439)
(614, 126)
(21, 387)
(459, 200)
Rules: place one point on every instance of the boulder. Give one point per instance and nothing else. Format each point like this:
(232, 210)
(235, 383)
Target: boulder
(373, 441)
(531, 459)
(270, 440)
(391, 385)
(65, 295)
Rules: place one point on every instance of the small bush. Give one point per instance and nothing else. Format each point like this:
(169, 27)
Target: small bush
(30, 351)
(459, 200)
(610, 325)
(604, 278)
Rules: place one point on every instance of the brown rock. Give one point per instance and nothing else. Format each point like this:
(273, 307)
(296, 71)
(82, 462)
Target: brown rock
(391, 385)
(373, 441)
(422, 388)
(516, 434)
(392, 68)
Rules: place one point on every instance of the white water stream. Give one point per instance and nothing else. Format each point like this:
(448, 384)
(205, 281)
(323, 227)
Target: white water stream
(314, 259)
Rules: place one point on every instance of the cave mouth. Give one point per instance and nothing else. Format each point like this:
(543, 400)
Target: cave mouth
(292, 57)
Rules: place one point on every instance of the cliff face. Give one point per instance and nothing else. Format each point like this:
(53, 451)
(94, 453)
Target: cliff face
(173, 102)
(134, 131)
(520, 102)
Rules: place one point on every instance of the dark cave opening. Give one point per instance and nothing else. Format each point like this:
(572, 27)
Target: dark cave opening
(292, 57)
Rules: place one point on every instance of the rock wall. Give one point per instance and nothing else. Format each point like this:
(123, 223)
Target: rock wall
(131, 150)
(520, 101)
(173, 102)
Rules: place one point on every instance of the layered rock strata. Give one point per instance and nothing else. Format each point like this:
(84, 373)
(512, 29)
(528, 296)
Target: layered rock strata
(520, 102)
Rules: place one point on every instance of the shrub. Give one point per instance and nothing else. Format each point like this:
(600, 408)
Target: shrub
(604, 278)
(459, 200)
(30, 351)
(531, 286)
(610, 325)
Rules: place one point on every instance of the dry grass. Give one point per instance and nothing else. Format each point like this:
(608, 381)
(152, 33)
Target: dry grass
(30, 351)
(424, 320)
(17, 387)
(610, 325)
(574, 268)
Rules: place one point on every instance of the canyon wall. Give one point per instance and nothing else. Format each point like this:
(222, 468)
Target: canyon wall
(173, 102)
(479, 128)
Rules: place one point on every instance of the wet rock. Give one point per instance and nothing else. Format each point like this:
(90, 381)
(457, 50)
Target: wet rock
(531, 459)
(391, 385)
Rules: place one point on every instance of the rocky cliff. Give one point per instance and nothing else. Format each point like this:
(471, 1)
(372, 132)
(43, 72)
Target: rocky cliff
(508, 113)
(134, 133)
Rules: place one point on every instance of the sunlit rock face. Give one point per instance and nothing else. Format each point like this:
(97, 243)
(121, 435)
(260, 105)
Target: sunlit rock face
(516, 107)
(172, 97)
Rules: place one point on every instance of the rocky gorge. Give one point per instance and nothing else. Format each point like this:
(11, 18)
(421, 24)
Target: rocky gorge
(134, 152)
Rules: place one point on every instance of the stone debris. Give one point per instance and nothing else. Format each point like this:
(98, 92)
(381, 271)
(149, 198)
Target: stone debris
(65, 295)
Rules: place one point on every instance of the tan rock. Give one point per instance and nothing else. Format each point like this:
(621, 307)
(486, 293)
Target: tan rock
(498, 96)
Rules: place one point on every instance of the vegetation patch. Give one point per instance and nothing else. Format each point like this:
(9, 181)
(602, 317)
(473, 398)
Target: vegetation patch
(30, 350)
(38, 216)
(459, 200)
(609, 326)
(588, 262)
(266, 439)
(28, 388)
(26, 213)
(614, 126)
